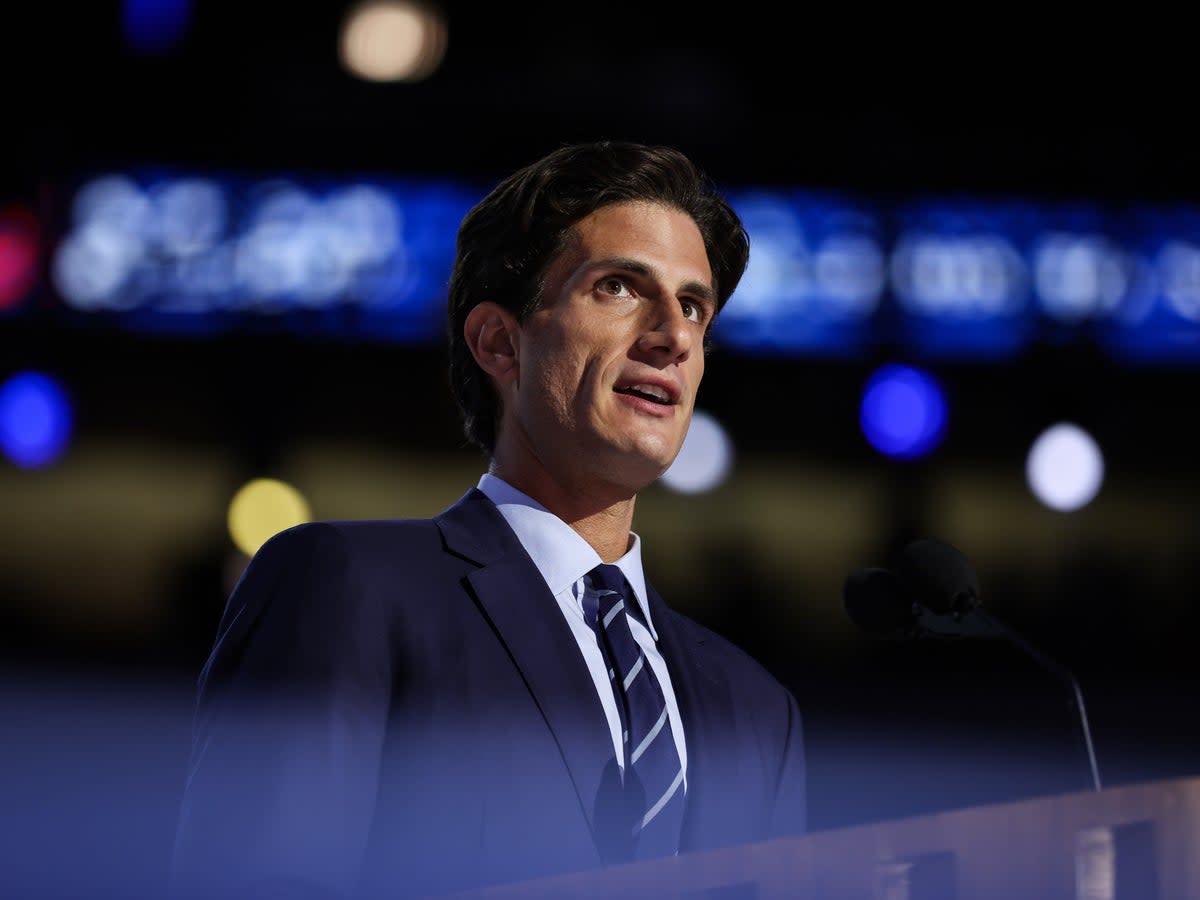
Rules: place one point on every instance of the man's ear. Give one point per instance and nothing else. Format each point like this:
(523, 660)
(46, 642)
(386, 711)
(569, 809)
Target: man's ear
(491, 333)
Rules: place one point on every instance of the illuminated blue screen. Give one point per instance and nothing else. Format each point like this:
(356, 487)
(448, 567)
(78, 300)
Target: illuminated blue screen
(830, 275)
(1157, 318)
(960, 279)
(815, 279)
(195, 254)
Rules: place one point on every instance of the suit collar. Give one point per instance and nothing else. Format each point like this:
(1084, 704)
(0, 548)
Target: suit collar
(560, 553)
(474, 529)
(515, 598)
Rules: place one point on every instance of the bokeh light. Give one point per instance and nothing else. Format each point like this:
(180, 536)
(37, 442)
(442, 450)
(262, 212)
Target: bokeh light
(262, 508)
(392, 40)
(18, 256)
(705, 458)
(35, 419)
(153, 27)
(1079, 276)
(1065, 468)
(903, 412)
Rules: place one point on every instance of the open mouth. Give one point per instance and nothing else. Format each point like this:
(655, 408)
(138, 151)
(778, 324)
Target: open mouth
(650, 392)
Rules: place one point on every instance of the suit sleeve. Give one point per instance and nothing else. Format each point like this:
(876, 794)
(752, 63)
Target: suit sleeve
(289, 725)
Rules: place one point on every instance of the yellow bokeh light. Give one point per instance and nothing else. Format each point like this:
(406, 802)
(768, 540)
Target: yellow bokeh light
(261, 509)
(392, 40)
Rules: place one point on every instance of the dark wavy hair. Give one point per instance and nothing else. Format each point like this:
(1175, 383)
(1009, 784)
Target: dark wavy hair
(507, 241)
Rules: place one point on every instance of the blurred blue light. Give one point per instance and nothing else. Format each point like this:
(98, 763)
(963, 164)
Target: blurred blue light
(1158, 318)
(961, 280)
(815, 279)
(830, 275)
(35, 419)
(190, 215)
(903, 412)
(154, 26)
(170, 252)
(1080, 272)
(1078, 276)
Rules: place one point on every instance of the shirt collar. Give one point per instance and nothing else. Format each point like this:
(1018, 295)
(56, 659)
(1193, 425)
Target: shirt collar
(560, 554)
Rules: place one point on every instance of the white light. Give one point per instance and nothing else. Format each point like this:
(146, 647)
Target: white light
(1064, 468)
(704, 459)
(838, 275)
(850, 273)
(779, 274)
(114, 201)
(1179, 265)
(190, 215)
(772, 275)
(286, 252)
(960, 276)
(272, 261)
(92, 266)
(203, 282)
(364, 225)
(392, 41)
(1078, 276)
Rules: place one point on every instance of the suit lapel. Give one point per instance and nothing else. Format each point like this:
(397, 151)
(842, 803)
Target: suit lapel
(706, 708)
(526, 617)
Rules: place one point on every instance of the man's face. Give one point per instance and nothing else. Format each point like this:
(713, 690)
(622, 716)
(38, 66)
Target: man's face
(609, 364)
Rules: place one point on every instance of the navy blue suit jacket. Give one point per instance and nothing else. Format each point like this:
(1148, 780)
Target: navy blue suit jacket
(397, 708)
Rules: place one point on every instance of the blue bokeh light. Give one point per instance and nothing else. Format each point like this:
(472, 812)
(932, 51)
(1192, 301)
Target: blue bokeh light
(163, 251)
(960, 276)
(815, 279)
(154, 26)
(903, 412)
(35, 419)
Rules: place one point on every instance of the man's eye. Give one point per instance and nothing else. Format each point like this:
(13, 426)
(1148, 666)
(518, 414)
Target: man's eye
(614, 286)
(693, 312)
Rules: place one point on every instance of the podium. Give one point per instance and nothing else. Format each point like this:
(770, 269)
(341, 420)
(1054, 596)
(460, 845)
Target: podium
(1136, 842)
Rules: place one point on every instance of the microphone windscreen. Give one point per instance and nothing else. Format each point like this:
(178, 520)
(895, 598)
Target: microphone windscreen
(937, 576)
(875, 601)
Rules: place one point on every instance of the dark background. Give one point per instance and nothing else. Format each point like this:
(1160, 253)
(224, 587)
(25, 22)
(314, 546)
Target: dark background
(994, 102)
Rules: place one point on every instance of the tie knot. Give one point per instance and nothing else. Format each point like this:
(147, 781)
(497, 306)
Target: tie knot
(607, 577)
(608, 591)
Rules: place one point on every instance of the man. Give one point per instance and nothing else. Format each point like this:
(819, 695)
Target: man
(402, 708)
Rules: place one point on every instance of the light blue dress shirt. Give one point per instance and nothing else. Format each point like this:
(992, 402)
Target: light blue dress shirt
(564, 558)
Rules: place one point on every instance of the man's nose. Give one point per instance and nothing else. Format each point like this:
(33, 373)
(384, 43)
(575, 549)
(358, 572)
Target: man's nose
(669, 333)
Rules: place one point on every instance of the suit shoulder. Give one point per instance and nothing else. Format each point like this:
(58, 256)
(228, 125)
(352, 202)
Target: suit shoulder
(355, 529)
(349, 535)
(324, 553)
(740, 664)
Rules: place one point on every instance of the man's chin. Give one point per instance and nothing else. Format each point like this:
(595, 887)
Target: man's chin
(641, 470)
(635, 462)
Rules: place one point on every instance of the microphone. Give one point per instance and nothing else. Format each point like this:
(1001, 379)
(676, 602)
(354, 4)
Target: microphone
(931, 585)
(876, 602)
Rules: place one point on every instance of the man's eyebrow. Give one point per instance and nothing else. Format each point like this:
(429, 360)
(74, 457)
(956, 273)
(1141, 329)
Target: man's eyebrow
(637, 267)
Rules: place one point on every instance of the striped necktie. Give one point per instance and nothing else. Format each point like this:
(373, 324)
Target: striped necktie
(653, 775)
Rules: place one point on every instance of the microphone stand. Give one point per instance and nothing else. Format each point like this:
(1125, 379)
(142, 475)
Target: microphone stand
(880, 601)
(972, 606)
